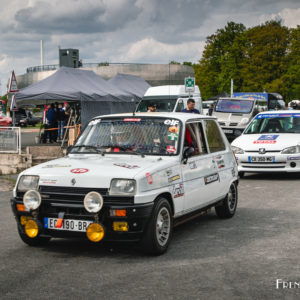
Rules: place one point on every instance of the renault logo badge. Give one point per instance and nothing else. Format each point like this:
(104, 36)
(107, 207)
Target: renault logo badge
(261, 150)
(73, 181)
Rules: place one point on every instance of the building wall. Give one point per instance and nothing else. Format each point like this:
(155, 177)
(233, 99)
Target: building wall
(154, 74)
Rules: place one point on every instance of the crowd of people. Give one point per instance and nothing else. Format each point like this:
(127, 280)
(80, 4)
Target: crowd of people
(55, 119)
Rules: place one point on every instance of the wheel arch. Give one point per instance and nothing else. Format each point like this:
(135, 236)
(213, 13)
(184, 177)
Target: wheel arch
(168, 196)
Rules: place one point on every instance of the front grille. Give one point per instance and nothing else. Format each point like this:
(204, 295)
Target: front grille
(255, 151)
(74, 196)
(269, 165)
(233, 124)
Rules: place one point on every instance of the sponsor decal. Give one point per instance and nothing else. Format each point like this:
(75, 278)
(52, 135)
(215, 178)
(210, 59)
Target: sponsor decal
(173, 129)
(48, 181)
(267, 139)
(127, 166)
(268, 116)
(220, 161)
(171, 149)
(294, 158)
(149, 178)
(178, 190)
(79, 170)
(172, 136)
(131, 120)
(211, 178)
(173, 178)
(56, 166)
(171, 122)
(193, 165)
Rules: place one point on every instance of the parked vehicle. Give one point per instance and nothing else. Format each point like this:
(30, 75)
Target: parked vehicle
(271, 143)
(129, 178)
(234, 114)
(274, 100)
(26, 118)
(4, 120)
(169, 98)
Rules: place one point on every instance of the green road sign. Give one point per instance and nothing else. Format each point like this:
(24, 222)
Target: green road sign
(189, 83)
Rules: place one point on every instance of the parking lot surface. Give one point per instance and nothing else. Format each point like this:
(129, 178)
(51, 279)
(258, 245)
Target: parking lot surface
(240, 258)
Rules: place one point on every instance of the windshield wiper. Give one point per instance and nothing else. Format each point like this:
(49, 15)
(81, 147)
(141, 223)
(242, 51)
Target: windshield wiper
(88, 146)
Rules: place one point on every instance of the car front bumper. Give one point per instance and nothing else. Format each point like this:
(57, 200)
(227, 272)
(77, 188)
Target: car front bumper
(137, 217)
(268, 162)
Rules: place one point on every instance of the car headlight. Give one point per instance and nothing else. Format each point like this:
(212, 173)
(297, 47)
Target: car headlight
(237, 150)
(28, 182)
(122, 187)
(291, 150)
(93, 202)
(32, 200)
(244, 121)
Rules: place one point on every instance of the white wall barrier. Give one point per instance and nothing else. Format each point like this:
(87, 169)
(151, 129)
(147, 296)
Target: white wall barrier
(10, 140)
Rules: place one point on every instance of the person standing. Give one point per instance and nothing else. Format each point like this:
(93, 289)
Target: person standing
(61, 118)
(191, 107)
(51, 118)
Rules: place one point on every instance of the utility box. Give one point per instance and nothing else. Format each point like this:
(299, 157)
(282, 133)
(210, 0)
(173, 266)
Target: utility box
(69, 58)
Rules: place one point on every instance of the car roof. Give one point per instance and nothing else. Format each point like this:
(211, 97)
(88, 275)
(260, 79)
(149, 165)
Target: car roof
(178, 115)
(275, 112)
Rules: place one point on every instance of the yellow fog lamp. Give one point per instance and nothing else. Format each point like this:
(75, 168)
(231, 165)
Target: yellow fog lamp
(24, 219)
(32, 228)
(120, 226)
(95, 232)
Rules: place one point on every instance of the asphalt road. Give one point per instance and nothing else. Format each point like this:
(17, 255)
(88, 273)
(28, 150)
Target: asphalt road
(208, 258)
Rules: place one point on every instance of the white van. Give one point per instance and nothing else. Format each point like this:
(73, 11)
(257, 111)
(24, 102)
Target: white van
(169, 98)
(234, 114)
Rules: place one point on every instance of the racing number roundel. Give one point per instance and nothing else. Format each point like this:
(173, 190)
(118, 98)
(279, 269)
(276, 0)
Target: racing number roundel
(79, 171)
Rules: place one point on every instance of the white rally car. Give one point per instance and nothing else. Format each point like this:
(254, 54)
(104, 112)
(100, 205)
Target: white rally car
(271, 143)
(129, 177)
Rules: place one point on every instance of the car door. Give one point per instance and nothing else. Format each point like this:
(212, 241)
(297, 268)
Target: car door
(199, 172)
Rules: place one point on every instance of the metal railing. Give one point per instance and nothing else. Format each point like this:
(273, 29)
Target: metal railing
(10, 140)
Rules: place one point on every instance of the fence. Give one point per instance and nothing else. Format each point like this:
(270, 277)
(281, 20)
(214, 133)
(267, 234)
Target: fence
(10, 140)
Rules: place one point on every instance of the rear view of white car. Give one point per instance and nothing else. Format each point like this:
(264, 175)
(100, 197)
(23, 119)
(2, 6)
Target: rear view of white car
(271, 143)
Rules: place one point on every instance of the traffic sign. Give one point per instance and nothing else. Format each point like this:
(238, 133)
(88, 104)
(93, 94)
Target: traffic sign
(189, 83)
(13, 86)
(13, 105)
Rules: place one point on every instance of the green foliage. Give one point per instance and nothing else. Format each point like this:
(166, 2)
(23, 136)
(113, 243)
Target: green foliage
(262, 57)
(173, 62)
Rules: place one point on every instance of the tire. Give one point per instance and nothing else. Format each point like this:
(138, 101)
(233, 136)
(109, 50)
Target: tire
(34, 242)
(241, 174)
(157, 237)
(227, 208)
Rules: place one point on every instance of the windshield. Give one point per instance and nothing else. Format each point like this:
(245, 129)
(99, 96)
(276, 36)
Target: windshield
(276, 104)
(274, 123)
(163, 105)
(234, 106)
(130, 135)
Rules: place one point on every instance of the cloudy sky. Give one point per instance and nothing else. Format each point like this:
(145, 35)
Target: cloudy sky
(150, 31)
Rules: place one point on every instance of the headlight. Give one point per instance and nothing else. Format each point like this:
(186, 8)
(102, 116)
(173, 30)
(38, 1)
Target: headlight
(32, 200)
(28, 182)
(291, 150)
(237, 150)
(122, 187)
(244, 121)
(93, 202)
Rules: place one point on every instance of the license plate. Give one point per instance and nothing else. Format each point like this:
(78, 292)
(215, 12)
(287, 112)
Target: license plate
(261, 158)
(228, 131)
(69, 225)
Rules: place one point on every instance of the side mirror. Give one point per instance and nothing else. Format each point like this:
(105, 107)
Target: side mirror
(187, 153)
(69, 148)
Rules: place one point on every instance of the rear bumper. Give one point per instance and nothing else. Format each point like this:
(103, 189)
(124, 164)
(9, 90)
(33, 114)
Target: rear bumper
(137, 217)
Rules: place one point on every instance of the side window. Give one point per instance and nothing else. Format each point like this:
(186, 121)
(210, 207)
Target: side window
(180, 105)
(194, 137)
(214, 137)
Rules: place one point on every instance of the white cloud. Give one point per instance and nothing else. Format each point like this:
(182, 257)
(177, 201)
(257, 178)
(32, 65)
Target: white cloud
(290, 17)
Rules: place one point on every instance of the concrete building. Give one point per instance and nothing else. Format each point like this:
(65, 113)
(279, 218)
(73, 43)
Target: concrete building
(154, 74)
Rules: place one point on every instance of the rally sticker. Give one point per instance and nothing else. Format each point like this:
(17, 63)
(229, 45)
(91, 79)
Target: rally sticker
(266, 139)
(131, 120)
(127, 166)
(171, 122)
(173, 129)
(48, 181)
(56, 166)
(211, 178)
(178, 190)
(193, 165)
(171, 149)
(172, 136)
(149, 178)
(176, 177)
(79, 170)
(168, 172)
